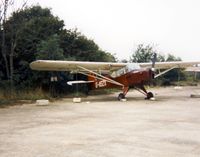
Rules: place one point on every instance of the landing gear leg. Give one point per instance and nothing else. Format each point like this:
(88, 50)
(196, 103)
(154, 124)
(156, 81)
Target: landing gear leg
(149, 95)
(122, 95)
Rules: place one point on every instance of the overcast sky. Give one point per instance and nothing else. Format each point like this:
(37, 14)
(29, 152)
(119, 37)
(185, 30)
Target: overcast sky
(118, 26)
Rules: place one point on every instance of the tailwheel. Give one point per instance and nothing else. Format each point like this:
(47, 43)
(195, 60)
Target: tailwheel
(121, 96)
(149, 95)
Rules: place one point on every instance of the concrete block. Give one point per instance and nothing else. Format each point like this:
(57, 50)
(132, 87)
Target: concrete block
(42, 102)
(76, 100)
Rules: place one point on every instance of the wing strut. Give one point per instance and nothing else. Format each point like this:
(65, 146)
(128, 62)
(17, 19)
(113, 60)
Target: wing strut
(166, 71)
(101, 76)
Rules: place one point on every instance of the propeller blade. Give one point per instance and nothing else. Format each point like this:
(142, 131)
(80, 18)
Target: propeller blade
(153, 59)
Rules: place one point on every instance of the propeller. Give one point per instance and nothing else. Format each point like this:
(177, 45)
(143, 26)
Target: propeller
(153, 59)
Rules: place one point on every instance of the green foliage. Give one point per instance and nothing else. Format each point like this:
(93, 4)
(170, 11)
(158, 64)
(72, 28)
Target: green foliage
(21, 96)
(171, 57)
(38, 34)
(144, 53)
(174, 75)
(78, 47)
(50, 49)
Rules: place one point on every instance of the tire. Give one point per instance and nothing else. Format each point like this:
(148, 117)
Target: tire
(121, 96)
(149, 95)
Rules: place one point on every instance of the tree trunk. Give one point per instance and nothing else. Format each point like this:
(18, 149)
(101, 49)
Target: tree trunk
(6, 65)
(13, 45)
(11, 73)
(3, 50)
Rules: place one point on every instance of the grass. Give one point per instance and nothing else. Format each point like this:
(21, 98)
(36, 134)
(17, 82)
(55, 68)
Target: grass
(17, 97)
(186, 83)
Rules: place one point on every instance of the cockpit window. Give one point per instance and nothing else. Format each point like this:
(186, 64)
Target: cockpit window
(129, 67)
(132, 66)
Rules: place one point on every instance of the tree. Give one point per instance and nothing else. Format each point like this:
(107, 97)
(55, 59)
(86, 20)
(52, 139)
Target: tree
(34, 33)
(3, 16)
(50, 49)
(174, 74)
(171, 57)
(144, 53)
(8, 45)
(78, 47)
(25, 30)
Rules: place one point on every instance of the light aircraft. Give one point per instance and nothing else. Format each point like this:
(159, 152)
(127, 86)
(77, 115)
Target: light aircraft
(103, 75)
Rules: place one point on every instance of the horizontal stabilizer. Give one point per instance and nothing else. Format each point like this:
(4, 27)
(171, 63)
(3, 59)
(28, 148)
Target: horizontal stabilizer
(78, 82)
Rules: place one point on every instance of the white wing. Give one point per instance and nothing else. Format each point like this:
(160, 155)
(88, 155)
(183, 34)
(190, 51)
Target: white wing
(103, 67)
(193, 69)
(52, 65)
(167, 65)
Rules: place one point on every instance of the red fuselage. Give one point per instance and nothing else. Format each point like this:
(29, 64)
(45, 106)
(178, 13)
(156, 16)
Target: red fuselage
(130, 79)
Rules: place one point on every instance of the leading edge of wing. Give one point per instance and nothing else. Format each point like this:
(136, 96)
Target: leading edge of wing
(57, 65)
(166, 65)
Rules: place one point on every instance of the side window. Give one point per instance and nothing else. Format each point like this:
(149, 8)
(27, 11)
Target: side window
(124, 70)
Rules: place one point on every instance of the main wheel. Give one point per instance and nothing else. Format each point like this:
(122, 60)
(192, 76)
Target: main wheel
(149, 95)
(121, 96)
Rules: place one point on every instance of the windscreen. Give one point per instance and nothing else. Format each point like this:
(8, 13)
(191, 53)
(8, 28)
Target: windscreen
(129, 67)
